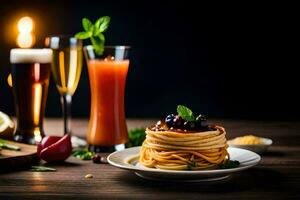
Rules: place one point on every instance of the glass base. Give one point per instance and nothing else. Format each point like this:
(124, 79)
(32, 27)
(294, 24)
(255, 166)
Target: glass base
(25, 139)
(106, 149)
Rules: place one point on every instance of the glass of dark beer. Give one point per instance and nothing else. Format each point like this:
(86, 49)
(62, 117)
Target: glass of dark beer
(30, 70)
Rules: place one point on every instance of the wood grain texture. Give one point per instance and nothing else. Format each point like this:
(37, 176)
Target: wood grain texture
(10, 160)
(276, 177)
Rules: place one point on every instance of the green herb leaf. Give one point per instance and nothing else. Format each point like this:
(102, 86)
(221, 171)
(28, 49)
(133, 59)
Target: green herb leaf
(83, 154)
(230, 164)
(98, 44)
(94, 32)
(102, 23)
(42, 169)
(87, 25)
(185, 113)
(136, 137)
(83, 35)
(101, 38)
(88, 156)
(5, 145)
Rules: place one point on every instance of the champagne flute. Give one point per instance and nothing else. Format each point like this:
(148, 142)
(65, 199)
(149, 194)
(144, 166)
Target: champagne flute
(66, 69)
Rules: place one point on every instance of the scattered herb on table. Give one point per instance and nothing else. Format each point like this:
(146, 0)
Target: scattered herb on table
(230, 164)
(42, 169)
(5, 145)
(94, 32)
(136, 137)
(83, 154)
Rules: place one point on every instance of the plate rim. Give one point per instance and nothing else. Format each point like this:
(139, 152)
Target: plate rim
(212, 171)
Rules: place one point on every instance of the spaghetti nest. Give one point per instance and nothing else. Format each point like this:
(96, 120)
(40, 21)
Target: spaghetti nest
(184, 151)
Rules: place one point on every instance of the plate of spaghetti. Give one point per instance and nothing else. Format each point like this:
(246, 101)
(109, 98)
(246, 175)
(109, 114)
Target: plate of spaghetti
(184, 148)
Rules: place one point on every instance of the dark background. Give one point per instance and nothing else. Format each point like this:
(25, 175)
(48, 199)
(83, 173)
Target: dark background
(230, 61)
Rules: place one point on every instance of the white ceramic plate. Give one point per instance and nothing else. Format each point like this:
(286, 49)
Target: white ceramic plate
(257, 148)
(246, 158)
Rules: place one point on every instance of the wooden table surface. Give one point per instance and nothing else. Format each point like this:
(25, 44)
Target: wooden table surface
(276, 177)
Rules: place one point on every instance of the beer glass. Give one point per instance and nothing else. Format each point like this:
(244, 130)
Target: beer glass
(30, 69)
(107, 74)
(66, 69)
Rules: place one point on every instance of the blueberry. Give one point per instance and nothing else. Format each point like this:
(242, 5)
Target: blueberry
(189, 126)
(201, 122)
(178, 122)
(169, 120)
(201, 118)
(192, 125)
(186, 125)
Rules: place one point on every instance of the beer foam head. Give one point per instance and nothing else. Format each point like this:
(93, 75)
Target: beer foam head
(30, 55)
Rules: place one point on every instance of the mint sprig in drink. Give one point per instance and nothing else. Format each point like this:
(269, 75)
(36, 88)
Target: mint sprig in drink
(107, 69)
(94, 32)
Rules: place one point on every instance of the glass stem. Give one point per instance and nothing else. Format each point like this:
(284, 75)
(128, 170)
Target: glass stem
(66, 101)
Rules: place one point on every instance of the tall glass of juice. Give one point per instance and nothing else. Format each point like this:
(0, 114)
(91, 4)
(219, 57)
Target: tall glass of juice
(107, 75)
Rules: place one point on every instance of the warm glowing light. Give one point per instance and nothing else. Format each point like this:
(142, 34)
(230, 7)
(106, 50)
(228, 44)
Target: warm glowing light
(25, 37)
(73, 66)
(37, 135)
(36, 71)
(62, 68)
(25, 40)
(9, 80)
(37, 97)
(25, 25)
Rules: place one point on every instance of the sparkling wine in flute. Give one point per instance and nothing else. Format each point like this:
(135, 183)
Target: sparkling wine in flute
(66, 69)
(30, 77)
